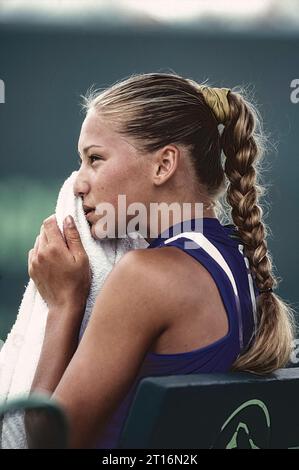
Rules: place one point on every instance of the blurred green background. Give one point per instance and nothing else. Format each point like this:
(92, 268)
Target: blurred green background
(46, 68)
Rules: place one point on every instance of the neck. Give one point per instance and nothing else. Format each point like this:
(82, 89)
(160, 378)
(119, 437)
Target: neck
(162, 222)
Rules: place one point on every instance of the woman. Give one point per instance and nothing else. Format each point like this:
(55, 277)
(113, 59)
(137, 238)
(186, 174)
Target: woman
(155, 138)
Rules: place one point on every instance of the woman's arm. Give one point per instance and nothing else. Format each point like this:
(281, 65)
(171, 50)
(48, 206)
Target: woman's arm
(61, 272)
(60, 343)
(127, 317)
(59, 266)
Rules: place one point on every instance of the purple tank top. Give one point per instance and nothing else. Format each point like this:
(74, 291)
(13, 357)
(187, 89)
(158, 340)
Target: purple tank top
(219, 249)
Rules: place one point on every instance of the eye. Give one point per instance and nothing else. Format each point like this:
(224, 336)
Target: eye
(94, 158)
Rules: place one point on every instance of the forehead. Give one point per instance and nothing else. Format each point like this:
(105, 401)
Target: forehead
(95, 131)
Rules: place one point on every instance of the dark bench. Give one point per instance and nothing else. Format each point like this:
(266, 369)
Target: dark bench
(233, 410)
(202, 411)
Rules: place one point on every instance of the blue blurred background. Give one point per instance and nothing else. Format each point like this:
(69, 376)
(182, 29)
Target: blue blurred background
(51, 52)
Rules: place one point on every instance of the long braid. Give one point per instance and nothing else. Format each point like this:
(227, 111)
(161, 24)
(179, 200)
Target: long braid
(272, 345)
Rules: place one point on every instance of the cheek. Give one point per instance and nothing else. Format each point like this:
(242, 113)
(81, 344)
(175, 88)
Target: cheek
(110, 182)
(123, 173)
(119, 178)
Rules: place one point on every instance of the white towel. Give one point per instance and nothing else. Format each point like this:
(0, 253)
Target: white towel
(21, 350)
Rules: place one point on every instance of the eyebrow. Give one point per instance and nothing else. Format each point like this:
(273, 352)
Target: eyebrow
(88, 147)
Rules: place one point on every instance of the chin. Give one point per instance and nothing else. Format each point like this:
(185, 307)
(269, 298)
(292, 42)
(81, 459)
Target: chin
(94, 233)
(91, 227)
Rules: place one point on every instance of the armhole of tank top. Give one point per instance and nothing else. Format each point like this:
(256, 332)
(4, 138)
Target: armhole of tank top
(212, 251)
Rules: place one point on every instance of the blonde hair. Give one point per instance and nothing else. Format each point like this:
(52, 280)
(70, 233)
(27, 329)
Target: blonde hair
(156, 109)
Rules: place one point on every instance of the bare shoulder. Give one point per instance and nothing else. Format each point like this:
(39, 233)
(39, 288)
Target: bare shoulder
(156, 268)
(164, 266)
(167, 279)
(159, 261)
(144, 275)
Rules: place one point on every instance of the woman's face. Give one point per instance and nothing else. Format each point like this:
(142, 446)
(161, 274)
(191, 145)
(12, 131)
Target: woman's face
(110, 166)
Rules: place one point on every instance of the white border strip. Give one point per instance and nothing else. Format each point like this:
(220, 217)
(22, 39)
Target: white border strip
(211, 249)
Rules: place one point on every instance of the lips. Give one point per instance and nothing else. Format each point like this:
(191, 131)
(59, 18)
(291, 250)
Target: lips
(87, 209)
(89, 213)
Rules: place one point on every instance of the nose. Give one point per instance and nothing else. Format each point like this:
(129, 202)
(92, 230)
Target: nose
(81, 187)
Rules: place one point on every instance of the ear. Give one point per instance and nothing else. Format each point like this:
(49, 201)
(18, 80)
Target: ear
(166, 162)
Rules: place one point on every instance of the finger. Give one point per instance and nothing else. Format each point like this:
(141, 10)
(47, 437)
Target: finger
(30, 256)
(52, 231)
(43, 239)
(73, 238)
(36, 245)
(32, 253)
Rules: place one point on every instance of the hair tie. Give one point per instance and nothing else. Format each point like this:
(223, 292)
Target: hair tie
(216, 99)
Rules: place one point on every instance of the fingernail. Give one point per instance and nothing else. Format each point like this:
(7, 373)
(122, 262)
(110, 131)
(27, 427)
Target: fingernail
(69, 221)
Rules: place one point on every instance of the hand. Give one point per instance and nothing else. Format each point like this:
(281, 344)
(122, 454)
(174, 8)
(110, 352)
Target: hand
(60, 268)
